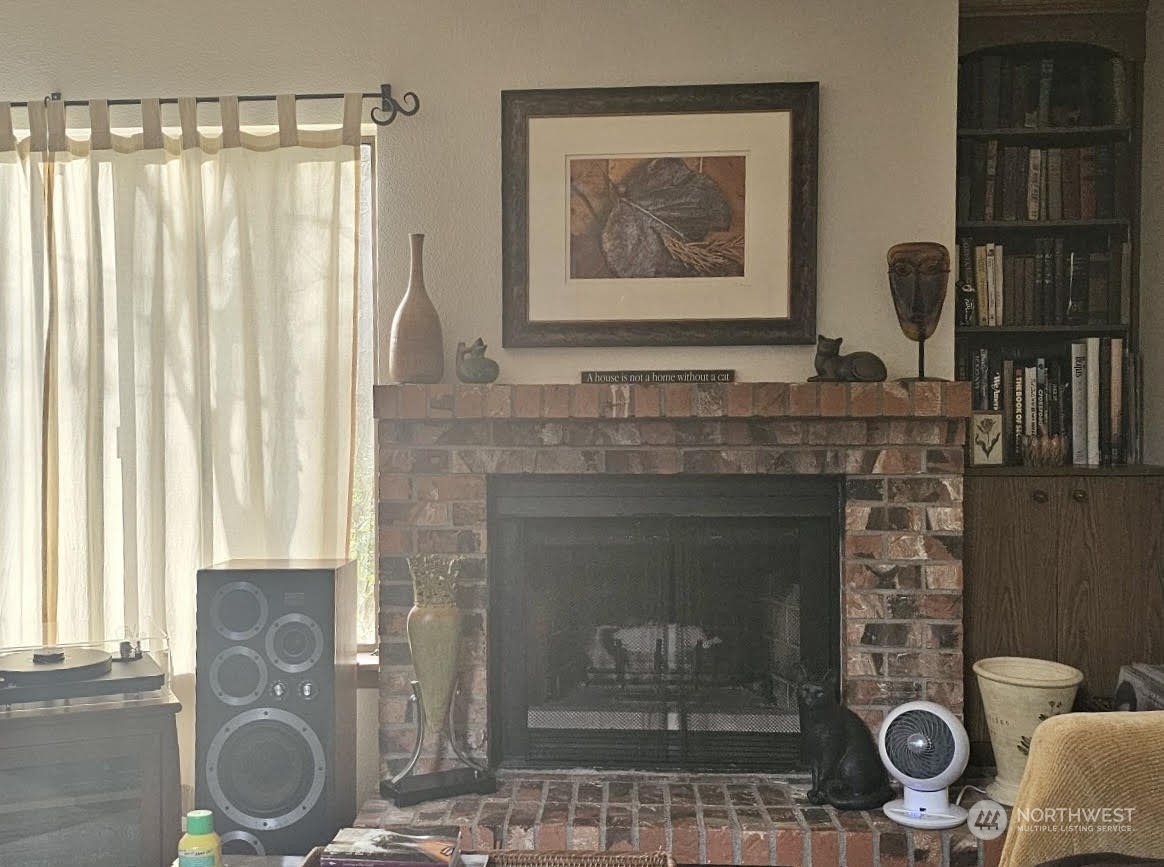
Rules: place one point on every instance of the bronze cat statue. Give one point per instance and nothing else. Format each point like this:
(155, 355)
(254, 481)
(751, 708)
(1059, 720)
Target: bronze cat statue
(832, 366)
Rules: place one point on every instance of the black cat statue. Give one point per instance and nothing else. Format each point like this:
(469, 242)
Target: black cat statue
(846, 767)
(832, 366)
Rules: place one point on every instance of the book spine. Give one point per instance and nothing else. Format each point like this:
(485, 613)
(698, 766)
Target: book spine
(1092, 401)
(990, 192)
(1054, 184)
(1031, 400)
(999, 311)
(1034, 182)
(1069, 180)
(980, 283)
(1079, 403)
(1046, 72)
(1087, 190)
(1020, 408)
(1118, 449)
(1105, 379)
(991, 285)
(1041, 425)
(1120, 98)
(1008, 415)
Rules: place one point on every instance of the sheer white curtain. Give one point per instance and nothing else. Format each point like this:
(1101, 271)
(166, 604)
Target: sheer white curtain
(177, 328)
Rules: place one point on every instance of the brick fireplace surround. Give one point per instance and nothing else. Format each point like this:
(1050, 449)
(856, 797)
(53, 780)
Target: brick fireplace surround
(899, 447)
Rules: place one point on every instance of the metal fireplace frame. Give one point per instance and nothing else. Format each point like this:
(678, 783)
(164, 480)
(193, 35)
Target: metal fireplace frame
(514, 499)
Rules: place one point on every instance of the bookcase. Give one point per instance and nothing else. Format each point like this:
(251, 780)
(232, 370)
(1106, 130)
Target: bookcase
(1048, 225)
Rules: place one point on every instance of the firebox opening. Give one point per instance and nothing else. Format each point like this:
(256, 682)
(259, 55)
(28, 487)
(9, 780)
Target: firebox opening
(658, 622)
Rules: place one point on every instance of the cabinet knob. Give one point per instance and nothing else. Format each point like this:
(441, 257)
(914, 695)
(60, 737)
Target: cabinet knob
(1039, 495)
(1079, 495)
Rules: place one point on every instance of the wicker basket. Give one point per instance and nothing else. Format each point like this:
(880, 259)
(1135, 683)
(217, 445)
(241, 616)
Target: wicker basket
(531, 858)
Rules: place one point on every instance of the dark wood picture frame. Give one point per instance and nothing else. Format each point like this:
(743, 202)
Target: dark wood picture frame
(799, 99)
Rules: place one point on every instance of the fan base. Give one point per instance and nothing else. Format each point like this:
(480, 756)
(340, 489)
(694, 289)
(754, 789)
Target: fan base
(945, 816)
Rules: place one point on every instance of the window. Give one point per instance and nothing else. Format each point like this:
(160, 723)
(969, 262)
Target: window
(363, 540)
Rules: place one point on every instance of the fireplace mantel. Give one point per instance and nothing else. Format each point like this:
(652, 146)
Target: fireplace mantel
(898, 445)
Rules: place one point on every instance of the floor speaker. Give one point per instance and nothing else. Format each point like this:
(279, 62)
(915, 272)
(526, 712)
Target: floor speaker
(276, 702)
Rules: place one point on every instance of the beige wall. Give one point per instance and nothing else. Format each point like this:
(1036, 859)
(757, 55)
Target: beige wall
(887, 70)
(1152, 239)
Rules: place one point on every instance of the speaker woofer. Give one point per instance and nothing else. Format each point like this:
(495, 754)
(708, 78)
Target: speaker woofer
(265, 768)
(238, 675)
(238, 610)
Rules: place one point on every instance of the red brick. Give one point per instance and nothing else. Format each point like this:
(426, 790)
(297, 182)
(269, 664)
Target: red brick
(858, 849)
(927, 398)
(893, 849)
(956, 399)
(898, 461)
(685, 840)
(803, 398)
(834, 398)
(468, 401)
(739, 399)
(944, 576)
(390, 487)
(721, 848)
(440, 401)
(555, 401)
(678, 400)
(894, 399)
(826, 849)
(527, 401)
(394, 540)
(867, 606)
(789, 847)
(646, 401)
(927, 847)
(498, 401)
(754, 848)
(770, 399)
(385, 401)
(413, 401)
(443, 488)
(864, 545)
(653, 838)
(865, 399)
(483, 837)
(584, 401)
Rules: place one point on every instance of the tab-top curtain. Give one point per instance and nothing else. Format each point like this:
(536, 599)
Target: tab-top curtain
(177, 321)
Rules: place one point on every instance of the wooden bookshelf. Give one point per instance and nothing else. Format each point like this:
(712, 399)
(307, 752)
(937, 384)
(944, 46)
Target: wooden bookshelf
(1048, 199)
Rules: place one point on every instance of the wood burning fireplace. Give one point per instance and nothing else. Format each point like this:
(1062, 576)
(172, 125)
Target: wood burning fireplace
(455, 463)
(657, 622)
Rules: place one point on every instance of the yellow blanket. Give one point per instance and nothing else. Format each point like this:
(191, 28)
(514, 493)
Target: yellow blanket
(1094, 783)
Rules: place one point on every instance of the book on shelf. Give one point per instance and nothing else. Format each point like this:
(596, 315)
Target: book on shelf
(1079, 395)
(1015, 91)
(1115, 452)
(1033, 197)
(1092, 344)
(438, 846)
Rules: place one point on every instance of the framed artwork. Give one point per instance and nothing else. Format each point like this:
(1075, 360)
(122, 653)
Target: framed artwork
(659, 216)
(986, 446)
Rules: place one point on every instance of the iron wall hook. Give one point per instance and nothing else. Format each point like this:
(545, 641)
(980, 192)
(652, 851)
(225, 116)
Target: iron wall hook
(386, 112)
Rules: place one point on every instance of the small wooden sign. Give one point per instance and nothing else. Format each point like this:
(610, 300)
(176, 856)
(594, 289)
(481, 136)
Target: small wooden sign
(655, 377)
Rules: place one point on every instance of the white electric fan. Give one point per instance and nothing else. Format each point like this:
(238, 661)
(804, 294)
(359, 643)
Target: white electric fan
(925, 747)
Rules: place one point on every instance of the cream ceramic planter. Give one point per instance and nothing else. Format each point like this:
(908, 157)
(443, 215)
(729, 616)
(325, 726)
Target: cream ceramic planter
(1017, 694)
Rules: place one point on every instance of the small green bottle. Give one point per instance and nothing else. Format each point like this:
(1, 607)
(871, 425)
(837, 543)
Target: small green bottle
(200, 846)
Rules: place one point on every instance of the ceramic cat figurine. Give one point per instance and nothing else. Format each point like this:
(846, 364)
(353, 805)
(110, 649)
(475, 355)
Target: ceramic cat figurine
(832, 366)
(472, 365)
(846, 767)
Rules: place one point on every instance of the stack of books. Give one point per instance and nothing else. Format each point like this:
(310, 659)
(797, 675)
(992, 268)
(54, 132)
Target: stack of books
(393, 847)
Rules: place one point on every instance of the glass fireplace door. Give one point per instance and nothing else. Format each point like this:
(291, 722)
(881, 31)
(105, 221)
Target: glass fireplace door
(658, 640)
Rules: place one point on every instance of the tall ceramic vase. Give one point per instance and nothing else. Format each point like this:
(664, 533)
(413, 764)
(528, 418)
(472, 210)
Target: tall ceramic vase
(433, 637)
(1018, 694)
(415, 344)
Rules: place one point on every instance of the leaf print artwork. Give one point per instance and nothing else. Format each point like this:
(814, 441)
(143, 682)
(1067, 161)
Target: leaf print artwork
(657, 217)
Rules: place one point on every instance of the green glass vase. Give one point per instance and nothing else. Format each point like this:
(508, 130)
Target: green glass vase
(434, 637)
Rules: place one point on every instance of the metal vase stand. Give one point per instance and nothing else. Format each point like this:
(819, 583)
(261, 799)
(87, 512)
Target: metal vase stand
(407, 788)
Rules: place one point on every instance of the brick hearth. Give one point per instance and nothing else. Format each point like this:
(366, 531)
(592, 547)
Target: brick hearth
(899, 447)
(701, 819)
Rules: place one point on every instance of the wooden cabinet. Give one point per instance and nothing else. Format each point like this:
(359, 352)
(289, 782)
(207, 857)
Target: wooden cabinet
(1066, 566)
(96, 782)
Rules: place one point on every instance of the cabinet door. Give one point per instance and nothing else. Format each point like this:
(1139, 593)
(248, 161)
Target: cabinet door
(1009, 571)
(1110, 608)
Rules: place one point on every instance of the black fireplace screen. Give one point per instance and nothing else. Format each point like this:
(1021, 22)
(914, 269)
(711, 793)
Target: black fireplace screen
(658, 622)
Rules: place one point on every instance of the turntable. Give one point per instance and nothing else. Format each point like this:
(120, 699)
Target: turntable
(40, 674)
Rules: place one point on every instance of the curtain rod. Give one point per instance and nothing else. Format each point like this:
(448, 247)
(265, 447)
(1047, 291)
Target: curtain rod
(381, 115)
